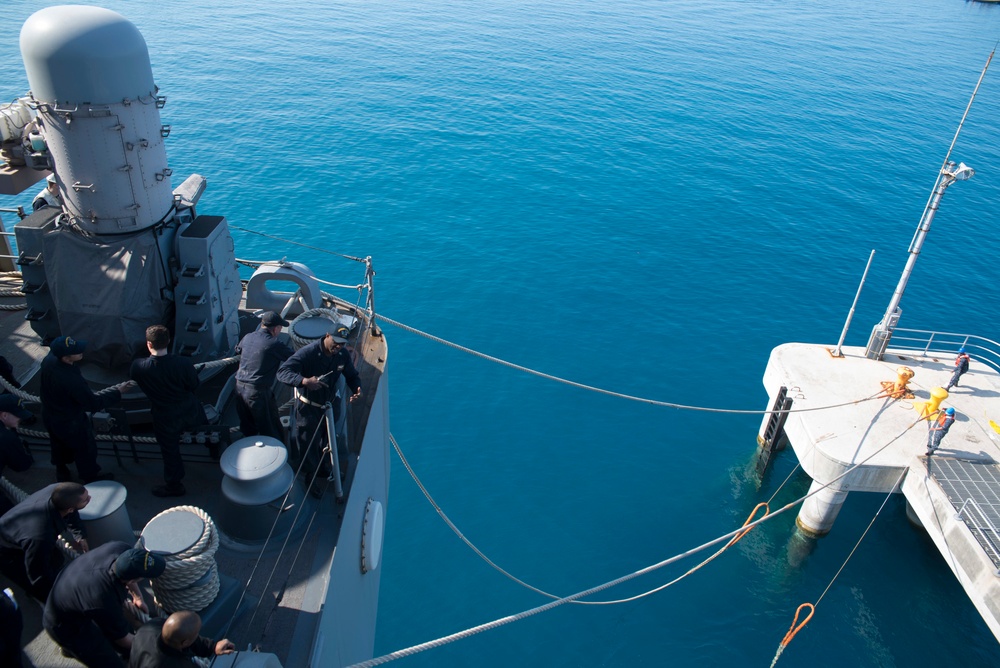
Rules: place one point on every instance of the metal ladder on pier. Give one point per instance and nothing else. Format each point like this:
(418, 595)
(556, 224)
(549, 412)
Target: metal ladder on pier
(775, 430)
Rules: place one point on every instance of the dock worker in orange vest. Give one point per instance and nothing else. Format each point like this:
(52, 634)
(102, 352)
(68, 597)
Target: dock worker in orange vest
(961, 366)
(938, 429)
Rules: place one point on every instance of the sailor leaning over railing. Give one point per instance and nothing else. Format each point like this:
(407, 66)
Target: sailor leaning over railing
(314, 371)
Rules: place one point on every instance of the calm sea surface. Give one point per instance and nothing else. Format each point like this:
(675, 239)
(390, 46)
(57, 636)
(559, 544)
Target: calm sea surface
(641, 195)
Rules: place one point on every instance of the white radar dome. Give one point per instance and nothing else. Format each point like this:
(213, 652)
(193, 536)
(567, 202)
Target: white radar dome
(75, 54)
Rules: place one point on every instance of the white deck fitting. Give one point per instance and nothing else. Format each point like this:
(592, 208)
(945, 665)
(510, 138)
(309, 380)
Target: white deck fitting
(829, 442)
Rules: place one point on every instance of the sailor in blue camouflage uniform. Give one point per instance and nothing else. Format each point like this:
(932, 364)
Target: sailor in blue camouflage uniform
(938, 429)
(314, 370)
(261, 353)
(961, 366)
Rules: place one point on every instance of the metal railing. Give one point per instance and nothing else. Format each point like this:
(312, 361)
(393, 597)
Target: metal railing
(946, 344)
(977, 521)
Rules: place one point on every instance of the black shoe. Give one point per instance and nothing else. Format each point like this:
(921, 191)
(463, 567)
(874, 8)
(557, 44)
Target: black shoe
(104, 475)
(63, 474)
(176, 489)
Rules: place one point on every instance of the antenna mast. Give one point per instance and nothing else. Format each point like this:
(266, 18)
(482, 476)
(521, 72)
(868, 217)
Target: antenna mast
(948, 174)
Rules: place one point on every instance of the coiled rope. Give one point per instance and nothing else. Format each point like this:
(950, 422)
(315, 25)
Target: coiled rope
(178, 588)
(742, 531)
(798, 626)
(620, 395)
(329, 313)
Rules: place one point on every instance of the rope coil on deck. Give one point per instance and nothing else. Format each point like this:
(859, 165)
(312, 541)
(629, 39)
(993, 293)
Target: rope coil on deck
(329, 313)
(179, 588)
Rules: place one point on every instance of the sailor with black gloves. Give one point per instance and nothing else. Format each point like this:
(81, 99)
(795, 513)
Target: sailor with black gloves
(314, 371)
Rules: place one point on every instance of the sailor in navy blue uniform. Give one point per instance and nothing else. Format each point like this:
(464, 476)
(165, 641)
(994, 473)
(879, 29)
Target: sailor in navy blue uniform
(29, 554)
(66, 399)
(314, 371)
(261, 353)
(961, 366)
(85, 612)
(12, 451)
(174, 642)
(169, 381)
(938, 429)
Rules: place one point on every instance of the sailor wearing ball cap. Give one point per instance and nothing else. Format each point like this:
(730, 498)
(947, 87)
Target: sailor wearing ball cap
(314, 371)
(66, 400)
(85, 612)
(261, 353)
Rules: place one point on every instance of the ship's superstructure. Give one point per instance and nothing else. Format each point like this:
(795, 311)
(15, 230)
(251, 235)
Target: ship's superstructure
(119, 249)
(124, 250)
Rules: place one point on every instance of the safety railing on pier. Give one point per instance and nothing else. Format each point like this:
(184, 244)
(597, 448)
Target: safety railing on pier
(946, 344)
(983, 529)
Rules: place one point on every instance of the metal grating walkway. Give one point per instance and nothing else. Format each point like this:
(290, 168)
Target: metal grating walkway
(974, 490)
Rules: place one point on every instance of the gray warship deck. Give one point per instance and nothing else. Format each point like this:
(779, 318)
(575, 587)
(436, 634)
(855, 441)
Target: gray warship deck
(290, 580)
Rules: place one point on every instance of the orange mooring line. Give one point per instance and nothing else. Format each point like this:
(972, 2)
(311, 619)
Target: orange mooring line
(750, 519)
(795, 627)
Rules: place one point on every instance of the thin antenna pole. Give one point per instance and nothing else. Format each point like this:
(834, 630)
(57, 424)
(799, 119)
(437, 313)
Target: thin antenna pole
(883, 330)
(850, 314)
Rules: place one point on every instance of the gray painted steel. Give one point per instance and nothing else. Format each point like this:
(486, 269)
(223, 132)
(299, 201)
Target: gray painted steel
(974, 489)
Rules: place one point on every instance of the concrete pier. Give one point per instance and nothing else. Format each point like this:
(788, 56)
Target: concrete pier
(890, 438)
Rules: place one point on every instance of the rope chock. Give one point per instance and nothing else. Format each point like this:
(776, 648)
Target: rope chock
(793, 629)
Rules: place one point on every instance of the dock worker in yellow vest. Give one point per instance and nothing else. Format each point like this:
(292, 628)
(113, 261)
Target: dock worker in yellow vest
(938, 429)
(961, 366)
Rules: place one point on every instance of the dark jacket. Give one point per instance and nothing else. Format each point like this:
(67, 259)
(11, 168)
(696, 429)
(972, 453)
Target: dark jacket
(260, 356)
(310, 361)
(149, 650)
(66, 397)
(169, 381)
(87, 591)
(31, 528)
(12, 452)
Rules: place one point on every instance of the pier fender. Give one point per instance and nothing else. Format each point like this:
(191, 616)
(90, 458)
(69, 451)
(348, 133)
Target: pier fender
(911, 515)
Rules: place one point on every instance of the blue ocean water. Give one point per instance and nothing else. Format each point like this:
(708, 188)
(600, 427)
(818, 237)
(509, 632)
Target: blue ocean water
(645, 196)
